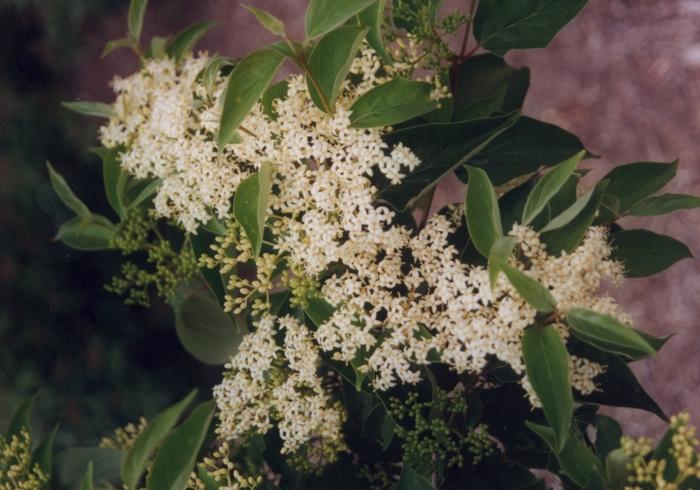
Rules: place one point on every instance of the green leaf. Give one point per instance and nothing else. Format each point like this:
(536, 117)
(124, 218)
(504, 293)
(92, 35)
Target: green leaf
(121, 43)
(608, 435)
(547, 367)
(43, 454)
(500, 251)
(268, 21)
(211, 71)
(483, 214)
(89, 234)
(87, 483)
(204, 329)
(548, 186)
(524, 148)
(575, 458)
(20, 419)
(617, 469)
(115, 180)
(441, 147)
(215, 226)
(323, 16)
(138, 457)
(502, 25)
(329, 64)
(157, 48)
(246, 84)
(319, 311)
(633, 182)
(201, 244)
(392, 103)
(97, 109)
(484, 107)
(146, 190)
(137, 11)
(184, 41)
(569, 236)
(372, 18)
(664, 204)
(607, 334)
(409, 14)
(250, 205)
(483, 77)
(71, 466)
(412, 480)
(530, 289)
(176, 457)
(569, 214)
(644, 253)
(273, 93)
(67, 196)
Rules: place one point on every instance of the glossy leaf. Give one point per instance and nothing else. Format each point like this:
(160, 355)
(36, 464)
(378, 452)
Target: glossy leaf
(204, 329)
(500, 251)
(442, 147)
(247, 82)
(322, 16)
(89, 234)
(644, 253)
(329, 64)
(502, 25)
(87, 483)
(319, 310)
(484, 107)
(633, 182)
(267, 20)
(547, 367)
(144, 190)
(569, 236)
(548, 186)
(43, 454)
(664, 204)
(184, 41)
(569, 214)
(120, 43)
(524, 148)
(617, 469)
(412, 480)
(137, 11)
(372, 17)
(392, 103)
(96, 109)
(67, 196)
(608, 435)
(250, 204)
(273, 93)
(530, 289)
(115, 180)
(177, 456)
(482, 212)
(607, 334)
(138, 457)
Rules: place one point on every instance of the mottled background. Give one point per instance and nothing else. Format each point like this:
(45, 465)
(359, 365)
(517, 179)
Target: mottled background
(624, 76)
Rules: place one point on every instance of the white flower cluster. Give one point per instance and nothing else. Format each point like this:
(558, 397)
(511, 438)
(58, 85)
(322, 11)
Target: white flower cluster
(265, 382)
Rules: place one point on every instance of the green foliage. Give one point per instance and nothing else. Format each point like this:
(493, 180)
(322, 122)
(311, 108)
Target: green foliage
(267, 20)
(664, 204)
(250, 205)
(392, 103)
(137, 11)
(530, 289)
(500, 251)
(483, 214)
(87, 483)
(643, 253)
(323, 16)
(97, 109)
(372, 17)
(184, 41)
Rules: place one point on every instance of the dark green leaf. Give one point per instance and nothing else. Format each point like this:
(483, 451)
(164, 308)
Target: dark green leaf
(205, 330)
(633, 182)
(412, 480)
(547, 367)
(63, 190)
(87, 483)
(273, 93)
(502, 25)
(441, 147)
(89, 234)
(138, 457)
(115, 180)
(184, 41)
(97, 109)
(211, 71)
(250, 204)
(569, 214)
(215, 226)
(524, 148)
(664, 204)
(617, 469)
(548, 186)
(608, 435)
(123, 42)
(43, 454)
(482, 212)
(644, 253)
(247, 82)
(408, 14)
(500, 251)
(137, 11)
(392, 103)
(145, 190)
(482, 77)
(176, 457)
(71, 466)
(268, 21)
(329, 63)
(530, 289)
(606, 333)
(323, 16)
(20, 419)
(656, 342)
(319, 310)
(484, 107)
(372, 18)
(569, 236)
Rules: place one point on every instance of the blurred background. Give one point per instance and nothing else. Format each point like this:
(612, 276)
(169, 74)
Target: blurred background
(624, 76)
